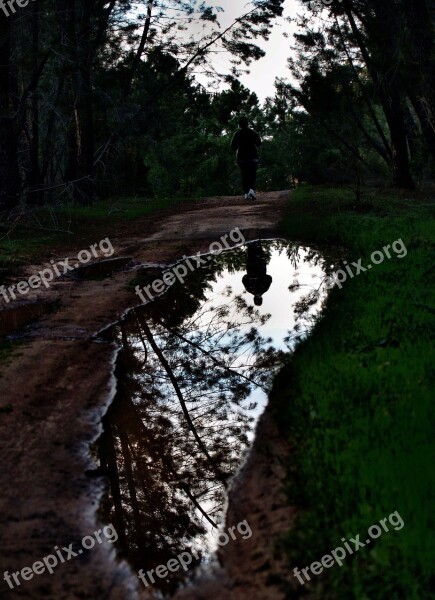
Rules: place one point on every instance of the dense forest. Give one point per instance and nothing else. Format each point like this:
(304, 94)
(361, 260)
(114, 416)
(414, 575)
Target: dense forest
(220, 362)
(101, 98)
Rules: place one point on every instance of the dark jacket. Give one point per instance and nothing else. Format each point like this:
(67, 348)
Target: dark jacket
(256, 280)
(246, 141)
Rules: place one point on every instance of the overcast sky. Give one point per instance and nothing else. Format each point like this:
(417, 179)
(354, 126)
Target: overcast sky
(274, 64)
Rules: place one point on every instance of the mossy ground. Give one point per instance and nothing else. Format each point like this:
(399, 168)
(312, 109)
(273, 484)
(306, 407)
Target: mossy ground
(356, 399)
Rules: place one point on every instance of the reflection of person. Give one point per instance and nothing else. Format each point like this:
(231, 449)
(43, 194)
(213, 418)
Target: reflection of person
(256, 280)
(246, 142)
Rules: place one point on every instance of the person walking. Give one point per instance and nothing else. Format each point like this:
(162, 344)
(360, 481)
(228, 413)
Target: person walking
(246, 141)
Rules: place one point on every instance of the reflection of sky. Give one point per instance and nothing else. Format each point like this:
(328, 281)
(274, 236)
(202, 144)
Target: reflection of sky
(278, 302)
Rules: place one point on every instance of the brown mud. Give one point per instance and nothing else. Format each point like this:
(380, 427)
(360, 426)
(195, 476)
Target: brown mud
(54, 390)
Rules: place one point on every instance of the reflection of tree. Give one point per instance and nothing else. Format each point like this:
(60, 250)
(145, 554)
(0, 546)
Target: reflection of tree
(173, 379)
(182, 416)
(181, 419)
(302, 309)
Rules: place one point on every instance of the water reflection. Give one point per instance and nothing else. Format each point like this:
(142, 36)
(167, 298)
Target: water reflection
(192, 377)
(256, 280)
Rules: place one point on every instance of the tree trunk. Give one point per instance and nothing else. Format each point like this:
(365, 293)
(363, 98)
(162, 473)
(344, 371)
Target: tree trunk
(387, 87)
(421, 89)
(427, 122)
(108, 460)
(129, 474)
(35, 182)
(140, 50)
(80, 156)
(85, 185)
(9, 174)
(396, 122)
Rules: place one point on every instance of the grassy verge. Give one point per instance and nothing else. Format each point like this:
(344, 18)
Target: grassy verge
(27, 235)
(356, 401)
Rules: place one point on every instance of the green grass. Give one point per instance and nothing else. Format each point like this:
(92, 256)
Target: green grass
(356, 400)
(38, 229)
(124, 209)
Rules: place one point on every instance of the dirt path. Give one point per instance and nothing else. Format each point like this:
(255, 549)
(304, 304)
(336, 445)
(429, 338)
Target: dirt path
(54, 392)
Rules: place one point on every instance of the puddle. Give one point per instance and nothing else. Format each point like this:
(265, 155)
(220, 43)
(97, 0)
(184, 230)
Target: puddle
(193, 375)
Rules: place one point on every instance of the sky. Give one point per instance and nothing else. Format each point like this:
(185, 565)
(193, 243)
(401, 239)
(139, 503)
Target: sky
(263, 72)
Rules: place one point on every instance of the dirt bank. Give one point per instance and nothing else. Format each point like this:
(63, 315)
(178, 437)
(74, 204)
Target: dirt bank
(56, 387)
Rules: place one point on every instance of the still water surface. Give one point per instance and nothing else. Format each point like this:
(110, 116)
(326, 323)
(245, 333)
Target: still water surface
(193, 375)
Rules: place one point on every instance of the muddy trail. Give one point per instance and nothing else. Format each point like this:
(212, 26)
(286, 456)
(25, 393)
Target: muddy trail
(56, 388)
